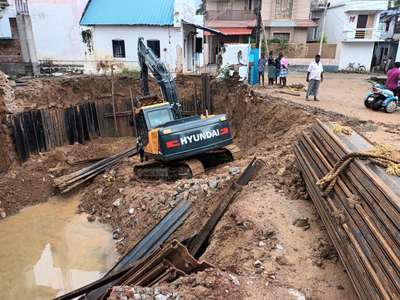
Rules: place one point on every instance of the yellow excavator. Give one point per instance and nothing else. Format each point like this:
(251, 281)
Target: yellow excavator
(171, 146)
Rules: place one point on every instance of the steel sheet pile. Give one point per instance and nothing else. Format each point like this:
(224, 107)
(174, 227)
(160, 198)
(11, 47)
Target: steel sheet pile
(361, 213)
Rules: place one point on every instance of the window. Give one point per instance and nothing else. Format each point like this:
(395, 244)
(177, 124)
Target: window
(362, 21)
(155, 46)
(387, 26)
(283, 9)
(199, 45)
(118, 48)
(283, 36)
(248, 4)
(159, 117)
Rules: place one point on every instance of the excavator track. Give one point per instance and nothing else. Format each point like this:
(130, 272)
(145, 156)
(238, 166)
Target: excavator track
(177, 170)
(155, 170)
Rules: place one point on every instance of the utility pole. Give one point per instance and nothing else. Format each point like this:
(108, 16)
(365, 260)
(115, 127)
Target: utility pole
(257, 9)
(327, 4)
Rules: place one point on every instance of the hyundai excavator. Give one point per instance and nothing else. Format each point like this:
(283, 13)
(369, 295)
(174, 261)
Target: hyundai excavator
(172, 147)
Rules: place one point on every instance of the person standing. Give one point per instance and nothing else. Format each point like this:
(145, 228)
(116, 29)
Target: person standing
(261, 69)
(278, 68)
(314, 77)
(271, 68)
(284, 70)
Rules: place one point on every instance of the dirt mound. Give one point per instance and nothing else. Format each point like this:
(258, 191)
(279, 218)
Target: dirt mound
(31, 182)
(71, 90)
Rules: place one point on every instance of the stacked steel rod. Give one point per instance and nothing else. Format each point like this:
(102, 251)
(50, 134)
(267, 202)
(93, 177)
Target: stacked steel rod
(68, 182)
(361, 214)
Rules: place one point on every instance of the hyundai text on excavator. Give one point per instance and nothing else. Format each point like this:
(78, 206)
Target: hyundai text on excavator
(174, 146)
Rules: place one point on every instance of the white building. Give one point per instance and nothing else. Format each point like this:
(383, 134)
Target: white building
(168, 27)
(50, 29)
(354, 26)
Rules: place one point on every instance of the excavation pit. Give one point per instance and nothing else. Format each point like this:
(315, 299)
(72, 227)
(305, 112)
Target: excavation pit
(255, 242)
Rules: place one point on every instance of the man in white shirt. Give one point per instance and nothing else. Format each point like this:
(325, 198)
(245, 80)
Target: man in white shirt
(314, 77)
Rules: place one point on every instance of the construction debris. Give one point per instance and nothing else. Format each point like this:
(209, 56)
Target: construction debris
(150, 243)
(198, 242)
(149, 262)
(68, 182)
(361, 210)
(290, 92)
(167, 263)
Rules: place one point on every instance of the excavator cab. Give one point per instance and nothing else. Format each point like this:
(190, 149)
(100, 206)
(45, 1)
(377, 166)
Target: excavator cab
(148, 119)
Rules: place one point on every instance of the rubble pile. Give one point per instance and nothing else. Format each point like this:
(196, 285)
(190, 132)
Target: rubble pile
(133, 206)
(140, 293)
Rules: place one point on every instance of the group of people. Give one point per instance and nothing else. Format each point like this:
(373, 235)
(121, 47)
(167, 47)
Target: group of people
(278, 69)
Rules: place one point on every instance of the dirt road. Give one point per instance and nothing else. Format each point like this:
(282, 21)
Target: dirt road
(341, 93)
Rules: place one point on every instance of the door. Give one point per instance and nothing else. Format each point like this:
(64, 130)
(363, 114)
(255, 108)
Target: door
(362, 21)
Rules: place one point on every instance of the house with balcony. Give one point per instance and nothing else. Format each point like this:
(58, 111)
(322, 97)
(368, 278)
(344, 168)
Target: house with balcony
(287, 19)
(236, 19)
(354, 26)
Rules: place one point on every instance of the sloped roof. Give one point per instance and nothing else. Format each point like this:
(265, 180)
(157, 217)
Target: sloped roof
(128, 12)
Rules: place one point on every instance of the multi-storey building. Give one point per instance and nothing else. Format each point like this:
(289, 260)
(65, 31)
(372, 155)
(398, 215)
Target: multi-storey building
(354, 26)
(287, 19)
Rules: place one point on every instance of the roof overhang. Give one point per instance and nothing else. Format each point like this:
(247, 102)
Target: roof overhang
(207, 29)
(235, 31)
(389, 14)
(231, 23)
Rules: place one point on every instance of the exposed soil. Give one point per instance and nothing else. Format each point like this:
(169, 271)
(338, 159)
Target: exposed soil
(71, 90)
(269, 244)
(31, 182)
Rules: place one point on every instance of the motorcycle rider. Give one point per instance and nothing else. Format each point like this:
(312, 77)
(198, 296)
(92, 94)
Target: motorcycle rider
(393, 77)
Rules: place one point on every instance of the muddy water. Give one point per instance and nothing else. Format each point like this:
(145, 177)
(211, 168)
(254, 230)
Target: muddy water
(47, 250)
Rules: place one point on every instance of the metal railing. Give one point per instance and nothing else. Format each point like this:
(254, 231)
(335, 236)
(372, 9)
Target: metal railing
(22, 7)
(236, 15)
(362, 34)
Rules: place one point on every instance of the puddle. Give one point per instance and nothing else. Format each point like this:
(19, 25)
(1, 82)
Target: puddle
(48, 250)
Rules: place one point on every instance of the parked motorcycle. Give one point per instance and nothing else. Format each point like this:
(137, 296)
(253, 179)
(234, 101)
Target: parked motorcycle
(381, 98)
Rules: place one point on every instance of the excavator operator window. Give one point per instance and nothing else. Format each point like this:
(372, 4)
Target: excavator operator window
(159, 117)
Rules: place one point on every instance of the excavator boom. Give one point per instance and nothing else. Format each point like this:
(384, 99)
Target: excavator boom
(149, 61)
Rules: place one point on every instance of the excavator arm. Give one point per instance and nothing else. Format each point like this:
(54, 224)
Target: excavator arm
(149, 61)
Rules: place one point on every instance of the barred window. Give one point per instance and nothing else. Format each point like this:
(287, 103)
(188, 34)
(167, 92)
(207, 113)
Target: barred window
(118, 48)
(283, 9)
